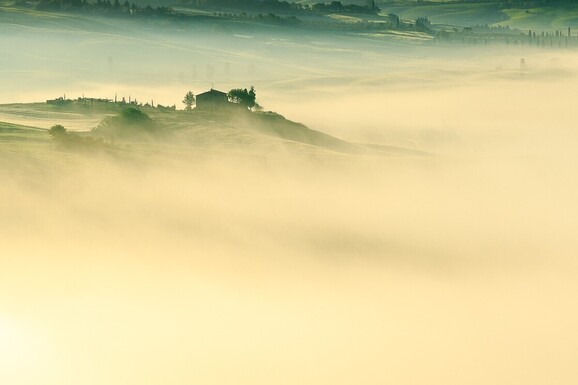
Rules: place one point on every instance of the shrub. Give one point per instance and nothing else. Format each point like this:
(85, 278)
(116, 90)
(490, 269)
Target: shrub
(57, 131)
(74, 141)
(130, 122)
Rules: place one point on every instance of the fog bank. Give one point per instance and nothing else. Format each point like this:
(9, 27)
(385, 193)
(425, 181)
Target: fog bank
(175, 265)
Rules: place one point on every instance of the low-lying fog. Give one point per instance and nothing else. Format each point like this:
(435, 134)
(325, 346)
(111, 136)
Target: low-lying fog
(453, 268)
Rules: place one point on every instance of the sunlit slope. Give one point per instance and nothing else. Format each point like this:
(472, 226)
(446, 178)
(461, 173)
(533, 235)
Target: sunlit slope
(26, 151)
(543, 18)
(14, 138)
(261, 130)
(43, 115)
(491, 13)
(11, 131)
(464, 14)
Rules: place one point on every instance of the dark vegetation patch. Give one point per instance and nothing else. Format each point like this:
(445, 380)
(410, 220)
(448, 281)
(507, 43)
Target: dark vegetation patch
(130, 123)
(75, 141)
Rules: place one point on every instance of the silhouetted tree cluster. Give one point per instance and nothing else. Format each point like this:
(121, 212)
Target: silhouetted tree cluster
(249, 5)
(484, 34)
(284, 6)
(130, 122)
(74, 141)
(504, 4)
(338, 7)
(48, 5)
(244, 97)
(422, 24)
(107, 6)
(57, 131)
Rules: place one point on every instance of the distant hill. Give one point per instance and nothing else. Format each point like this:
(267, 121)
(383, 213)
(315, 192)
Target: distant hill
(540, 15)
(256, 132)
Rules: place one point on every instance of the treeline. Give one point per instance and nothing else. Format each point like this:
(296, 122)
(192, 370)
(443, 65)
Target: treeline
(103, 6)
(265, 5)
(272, 11)
(386, 23)
(535, 3)
(266, 18)
(504, 35)
(504, 3)
(338, 7)
(282, 6)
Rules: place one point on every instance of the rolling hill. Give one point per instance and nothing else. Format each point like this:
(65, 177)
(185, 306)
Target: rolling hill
(24, 134)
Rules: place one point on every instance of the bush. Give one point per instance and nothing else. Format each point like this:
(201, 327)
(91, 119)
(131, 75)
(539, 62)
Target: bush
(130, 122)
(74, 141)
(57, 131)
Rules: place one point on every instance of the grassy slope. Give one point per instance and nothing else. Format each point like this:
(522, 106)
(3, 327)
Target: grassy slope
(43, 115)
(23, 147)
(257, 131)
(451, 14)
(263, 133)
(544, 18)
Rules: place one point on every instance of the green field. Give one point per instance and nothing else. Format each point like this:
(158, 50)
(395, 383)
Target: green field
(491, 13)
(546, 19)
(451, 14)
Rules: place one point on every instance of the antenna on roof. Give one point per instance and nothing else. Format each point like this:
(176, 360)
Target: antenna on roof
(212, 86)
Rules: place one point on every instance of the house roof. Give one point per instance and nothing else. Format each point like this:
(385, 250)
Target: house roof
(213, 92)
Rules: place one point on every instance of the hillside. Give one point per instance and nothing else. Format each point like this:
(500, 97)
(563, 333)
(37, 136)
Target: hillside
(24, 132)
(460, 14)
(528, 15)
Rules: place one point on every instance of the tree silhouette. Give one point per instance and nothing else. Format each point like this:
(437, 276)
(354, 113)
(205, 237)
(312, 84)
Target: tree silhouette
(189, 100)
(130, 122)
(57, 131)
(243, 97)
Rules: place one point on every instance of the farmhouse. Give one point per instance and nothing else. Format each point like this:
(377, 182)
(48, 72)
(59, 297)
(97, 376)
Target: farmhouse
(212, 100)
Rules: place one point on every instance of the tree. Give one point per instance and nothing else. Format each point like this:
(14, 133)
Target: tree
(48, 5)
(133, 115)
(189, 100)
(74, 141)
(130, 122)
(422, 24)
(243, 97)
(57, 131)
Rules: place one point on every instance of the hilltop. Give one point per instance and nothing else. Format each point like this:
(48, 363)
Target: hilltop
(24, 131)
